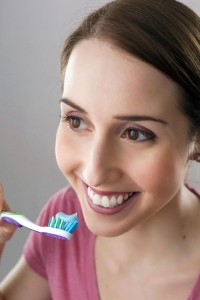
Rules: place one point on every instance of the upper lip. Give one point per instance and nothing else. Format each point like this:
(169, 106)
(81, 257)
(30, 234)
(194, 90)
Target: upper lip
(107, 193)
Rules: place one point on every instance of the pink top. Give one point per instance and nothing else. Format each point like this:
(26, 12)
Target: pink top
(69, 266)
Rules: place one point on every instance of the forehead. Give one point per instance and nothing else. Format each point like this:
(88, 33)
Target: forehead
(101, 62)
(98, 72)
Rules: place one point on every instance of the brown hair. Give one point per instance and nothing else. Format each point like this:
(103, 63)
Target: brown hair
(164, 33)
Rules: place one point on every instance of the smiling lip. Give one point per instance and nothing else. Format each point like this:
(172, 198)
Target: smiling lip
(107, 193)
(104, 210)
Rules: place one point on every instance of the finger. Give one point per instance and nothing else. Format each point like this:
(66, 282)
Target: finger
(1, 191)
(1, 196)
(6, 206)
(3, 204)
(6, 229)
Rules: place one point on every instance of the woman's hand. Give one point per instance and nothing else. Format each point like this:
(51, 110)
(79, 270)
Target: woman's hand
(6, 229)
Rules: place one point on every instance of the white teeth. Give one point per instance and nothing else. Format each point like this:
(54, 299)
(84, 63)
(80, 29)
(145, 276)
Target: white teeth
(96, 199)
(113, 201)
(120, 199)
(126, 197)
(90, 192)
(106, 201)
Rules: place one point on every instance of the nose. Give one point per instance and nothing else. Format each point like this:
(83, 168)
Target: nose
(101, 167)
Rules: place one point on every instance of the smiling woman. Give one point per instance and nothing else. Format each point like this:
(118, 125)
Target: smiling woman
(127, 119)
(129, 127)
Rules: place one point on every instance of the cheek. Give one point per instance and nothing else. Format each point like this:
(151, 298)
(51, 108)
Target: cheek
(64, 151)
(160, 173)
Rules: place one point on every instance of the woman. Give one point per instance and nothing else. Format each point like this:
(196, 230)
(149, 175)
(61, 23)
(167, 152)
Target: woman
(130, 125)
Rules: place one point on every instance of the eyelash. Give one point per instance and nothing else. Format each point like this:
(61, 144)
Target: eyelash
(68, 119)
(137, 133)
(150, 136)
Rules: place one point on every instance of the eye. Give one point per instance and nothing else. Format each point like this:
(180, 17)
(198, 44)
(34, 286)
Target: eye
(75, 123)
(137, 135)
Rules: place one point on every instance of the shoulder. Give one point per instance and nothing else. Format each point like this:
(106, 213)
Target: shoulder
(195, 294)
(193, 190)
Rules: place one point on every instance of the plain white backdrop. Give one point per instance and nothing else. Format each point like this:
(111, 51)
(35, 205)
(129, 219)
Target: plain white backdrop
(31, 35)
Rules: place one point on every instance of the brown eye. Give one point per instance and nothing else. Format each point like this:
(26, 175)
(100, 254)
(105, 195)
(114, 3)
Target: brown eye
(132, 134)
(75, 123)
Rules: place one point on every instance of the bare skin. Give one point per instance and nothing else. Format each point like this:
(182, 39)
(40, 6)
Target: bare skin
(6, 229)
(24, 283)
(152, 272)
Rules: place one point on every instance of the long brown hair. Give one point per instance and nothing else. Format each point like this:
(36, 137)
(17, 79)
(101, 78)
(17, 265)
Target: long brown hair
(163, 33)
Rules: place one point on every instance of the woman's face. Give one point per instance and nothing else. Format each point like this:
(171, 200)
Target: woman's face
(121, 136)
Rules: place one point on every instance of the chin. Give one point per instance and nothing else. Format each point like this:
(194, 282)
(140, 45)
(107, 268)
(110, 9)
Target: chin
(107, 230)
(105, 233)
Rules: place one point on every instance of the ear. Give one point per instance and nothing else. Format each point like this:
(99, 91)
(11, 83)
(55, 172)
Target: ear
(196, 157)
(196, 153)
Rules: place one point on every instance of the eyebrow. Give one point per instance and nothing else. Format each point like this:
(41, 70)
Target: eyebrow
(70, 103)
(117, 117)
(138, 118)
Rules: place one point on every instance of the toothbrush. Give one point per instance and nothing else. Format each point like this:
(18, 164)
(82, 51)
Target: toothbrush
(61, 226)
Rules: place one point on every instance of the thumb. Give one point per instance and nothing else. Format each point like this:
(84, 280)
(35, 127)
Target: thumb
(6, 229)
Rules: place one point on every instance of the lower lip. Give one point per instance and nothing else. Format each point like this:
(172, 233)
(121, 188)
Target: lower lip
(109, 211)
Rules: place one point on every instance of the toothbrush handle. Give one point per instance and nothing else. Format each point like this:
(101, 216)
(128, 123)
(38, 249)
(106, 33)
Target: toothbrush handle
(7, 216)
(11, 221)
(19, 220)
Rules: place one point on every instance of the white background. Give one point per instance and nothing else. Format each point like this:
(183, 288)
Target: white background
(31, 36)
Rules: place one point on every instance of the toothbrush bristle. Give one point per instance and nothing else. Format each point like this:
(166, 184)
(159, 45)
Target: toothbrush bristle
(60, 224)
